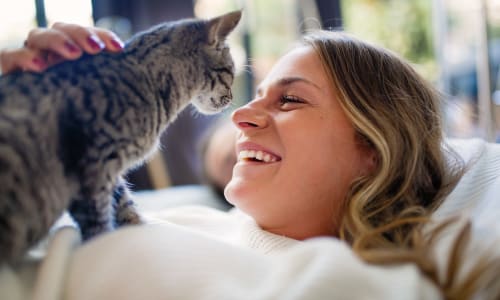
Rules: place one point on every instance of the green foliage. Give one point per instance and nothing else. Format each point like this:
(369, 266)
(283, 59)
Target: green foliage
(404, 26)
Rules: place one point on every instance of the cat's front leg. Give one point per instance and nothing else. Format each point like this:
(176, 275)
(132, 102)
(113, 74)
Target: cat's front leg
(93, 212)
(125, 211)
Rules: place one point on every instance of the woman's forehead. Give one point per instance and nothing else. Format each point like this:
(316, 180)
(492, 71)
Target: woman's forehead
(301, 62)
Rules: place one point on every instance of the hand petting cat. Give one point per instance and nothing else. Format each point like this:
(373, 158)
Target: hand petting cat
(46, 47)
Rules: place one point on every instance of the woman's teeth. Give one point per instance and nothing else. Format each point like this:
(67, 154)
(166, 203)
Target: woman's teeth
(256, 155)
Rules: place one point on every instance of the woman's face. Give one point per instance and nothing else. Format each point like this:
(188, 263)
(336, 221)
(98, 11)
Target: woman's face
(297, 152)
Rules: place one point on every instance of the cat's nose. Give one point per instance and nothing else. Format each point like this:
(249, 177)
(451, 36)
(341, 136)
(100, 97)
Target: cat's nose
(226, 99)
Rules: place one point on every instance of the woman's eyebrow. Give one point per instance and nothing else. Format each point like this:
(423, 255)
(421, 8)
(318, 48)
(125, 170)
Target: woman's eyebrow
(290, 80)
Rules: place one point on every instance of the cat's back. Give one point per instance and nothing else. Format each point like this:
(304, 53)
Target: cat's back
(64, 76)
(52, 89)
(29, 122)
(25, 102)
(18, 85)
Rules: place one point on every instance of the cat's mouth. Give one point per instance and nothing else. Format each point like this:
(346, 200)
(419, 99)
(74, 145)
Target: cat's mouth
(225, 100)
(213, 105)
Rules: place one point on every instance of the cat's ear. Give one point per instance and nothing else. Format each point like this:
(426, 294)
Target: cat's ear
(220, 27)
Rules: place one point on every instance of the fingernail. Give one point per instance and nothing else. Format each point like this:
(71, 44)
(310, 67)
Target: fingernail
(40, 63)
(71, 47)
(95, 43)
(117, 44)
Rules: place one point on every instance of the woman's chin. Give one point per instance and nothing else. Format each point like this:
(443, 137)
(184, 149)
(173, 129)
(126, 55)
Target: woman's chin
(238, 193)
(231, 191)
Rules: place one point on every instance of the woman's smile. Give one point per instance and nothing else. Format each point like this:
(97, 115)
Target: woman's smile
(249, 151)
(254, 159)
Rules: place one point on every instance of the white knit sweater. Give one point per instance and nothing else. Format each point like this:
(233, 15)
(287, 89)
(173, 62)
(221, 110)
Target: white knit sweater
(201, 253)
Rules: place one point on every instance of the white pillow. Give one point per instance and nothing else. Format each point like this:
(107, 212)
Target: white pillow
(477, 193)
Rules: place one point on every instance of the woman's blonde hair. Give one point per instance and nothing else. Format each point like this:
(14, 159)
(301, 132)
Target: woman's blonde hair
(396, 113)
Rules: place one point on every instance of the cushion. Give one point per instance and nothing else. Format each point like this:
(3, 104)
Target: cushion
(478, 191)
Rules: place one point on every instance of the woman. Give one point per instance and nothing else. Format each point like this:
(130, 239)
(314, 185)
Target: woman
(342, 140)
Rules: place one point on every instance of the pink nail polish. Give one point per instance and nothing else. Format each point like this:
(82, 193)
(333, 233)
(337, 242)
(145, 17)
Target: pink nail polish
(118, 45)
(40, 63)
(95, 43)
(71, 47)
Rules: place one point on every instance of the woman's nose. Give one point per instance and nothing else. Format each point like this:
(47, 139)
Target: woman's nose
(250, 116)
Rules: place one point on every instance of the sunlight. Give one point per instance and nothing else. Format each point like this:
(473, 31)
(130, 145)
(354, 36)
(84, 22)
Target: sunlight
(16, 19)
(77, 12)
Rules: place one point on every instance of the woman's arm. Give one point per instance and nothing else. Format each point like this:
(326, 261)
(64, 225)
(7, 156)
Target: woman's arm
(45, 47)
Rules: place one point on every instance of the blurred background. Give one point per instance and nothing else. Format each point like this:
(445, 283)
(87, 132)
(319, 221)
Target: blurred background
(453, 43)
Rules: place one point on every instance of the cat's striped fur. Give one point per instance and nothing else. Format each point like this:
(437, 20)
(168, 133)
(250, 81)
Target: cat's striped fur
(68, 135)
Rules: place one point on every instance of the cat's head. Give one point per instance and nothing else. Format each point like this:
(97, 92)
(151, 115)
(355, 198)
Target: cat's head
(196, 49)
(216, 94)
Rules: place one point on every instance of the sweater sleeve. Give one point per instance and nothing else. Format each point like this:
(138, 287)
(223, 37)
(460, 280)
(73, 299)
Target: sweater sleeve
(171, 262)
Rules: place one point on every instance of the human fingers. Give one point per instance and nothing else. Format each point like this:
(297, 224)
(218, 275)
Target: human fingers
(91, 39)
(52, 40)
(66, 41)
(111, 41)
(22, 59)
(45, 47)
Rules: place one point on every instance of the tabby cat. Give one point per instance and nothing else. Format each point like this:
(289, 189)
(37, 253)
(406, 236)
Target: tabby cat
(68, 135)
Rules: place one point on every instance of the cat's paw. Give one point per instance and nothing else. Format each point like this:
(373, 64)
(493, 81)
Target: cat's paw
(129, 217)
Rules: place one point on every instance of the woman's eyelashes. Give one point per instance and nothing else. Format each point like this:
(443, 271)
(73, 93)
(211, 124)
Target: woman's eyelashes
(290, 100)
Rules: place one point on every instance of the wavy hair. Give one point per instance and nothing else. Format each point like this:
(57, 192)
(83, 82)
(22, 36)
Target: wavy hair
(396, 113)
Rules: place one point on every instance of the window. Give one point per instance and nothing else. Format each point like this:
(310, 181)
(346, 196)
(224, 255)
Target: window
(19, 17)
(75, 11)
(453, 43)
(16, 19)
